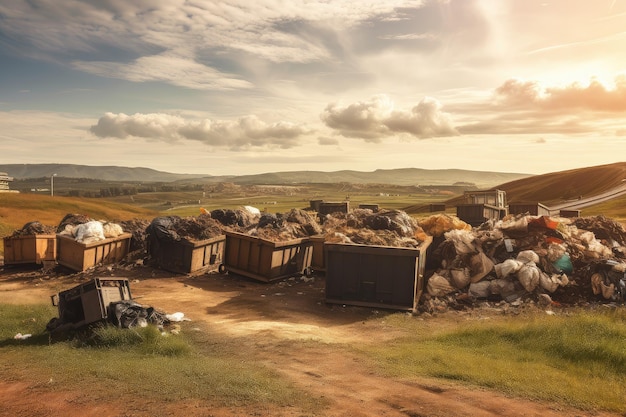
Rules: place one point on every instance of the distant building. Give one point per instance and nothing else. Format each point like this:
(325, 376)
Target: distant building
(4, 183)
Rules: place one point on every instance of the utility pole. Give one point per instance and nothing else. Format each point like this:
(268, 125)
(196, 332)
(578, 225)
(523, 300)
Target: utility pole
(52, 184)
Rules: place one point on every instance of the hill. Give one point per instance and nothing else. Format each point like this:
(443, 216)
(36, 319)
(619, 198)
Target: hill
(405, 176)
(106, 173)
(556, 187)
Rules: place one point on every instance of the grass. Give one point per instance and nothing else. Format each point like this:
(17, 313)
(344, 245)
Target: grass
(139, 362)
(577, 360)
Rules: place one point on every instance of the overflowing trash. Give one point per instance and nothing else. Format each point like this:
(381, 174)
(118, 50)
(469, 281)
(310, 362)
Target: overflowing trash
(557, 259)
(366, 227)
(34, 228)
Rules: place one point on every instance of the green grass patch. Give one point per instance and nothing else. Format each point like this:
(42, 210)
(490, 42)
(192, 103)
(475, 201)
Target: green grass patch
(578, 360)
(141, 362)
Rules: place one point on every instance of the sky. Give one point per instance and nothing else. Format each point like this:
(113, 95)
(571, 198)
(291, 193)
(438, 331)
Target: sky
(243, 87)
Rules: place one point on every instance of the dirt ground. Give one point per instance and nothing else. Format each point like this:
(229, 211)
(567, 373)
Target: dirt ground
(267, 314)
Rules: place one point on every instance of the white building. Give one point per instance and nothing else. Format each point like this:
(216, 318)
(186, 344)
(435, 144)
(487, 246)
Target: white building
(4, 183)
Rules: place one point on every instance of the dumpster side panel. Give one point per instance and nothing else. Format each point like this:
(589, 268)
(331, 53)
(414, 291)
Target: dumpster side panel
(374, 276)
(33, 249)
(80, 256)
(265, 260)
(185, 256)
(317, 252)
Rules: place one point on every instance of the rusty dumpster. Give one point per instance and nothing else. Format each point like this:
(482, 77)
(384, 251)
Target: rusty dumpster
(81, 256)
(266, 260)
(375, 276)
(30, 249)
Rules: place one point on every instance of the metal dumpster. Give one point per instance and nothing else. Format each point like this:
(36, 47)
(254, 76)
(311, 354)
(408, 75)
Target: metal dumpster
(89, 302)
(187, 256)
(265, 260)
(80, 256)
(375, 276)
(30, 249)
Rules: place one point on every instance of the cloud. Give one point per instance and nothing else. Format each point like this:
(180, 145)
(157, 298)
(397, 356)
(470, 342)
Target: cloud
(239, 134)
(377, 118)
(176, 70)
(326, 141)
(524, 107)
(593, 97)
(174, 41)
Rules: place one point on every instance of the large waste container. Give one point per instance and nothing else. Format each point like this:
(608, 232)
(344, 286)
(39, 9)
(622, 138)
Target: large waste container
(266, 260)
(80, 256)
(30, 249)
(375, 276)
(188, 256)
(89, 302)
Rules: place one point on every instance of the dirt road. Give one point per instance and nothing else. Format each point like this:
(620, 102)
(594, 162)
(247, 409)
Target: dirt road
(268, 315)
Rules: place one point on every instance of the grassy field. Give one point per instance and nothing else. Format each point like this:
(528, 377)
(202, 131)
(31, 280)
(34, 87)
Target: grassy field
(577, 359)
(140, 362)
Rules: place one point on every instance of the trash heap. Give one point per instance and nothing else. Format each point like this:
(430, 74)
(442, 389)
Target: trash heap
(280, 227)
(546, 259)
(86, 230)
(34, 228)
(366, 227)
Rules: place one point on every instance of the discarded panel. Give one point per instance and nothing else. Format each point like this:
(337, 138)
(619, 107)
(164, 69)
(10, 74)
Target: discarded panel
(186, 256)
(375, 276)
(265, 260)
(88, 303)
(31, 249)
(80, 256)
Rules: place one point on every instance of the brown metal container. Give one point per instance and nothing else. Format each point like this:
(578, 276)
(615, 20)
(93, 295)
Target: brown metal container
(562, 213)
(186, 256)
(88, 303)
(534, 209)
(81, 256)
(477, 214)
(31, 249)
(265, 260)
(375, 276)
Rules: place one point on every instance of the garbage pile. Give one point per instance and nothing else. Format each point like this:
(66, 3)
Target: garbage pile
(137, 228)
(546, 258)
(86, 230)
(192, 228)
(366, 227)
(34, 228)
(280, 227)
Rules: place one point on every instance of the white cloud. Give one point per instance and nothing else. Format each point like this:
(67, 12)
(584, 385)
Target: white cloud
(242, 133)
(377, 118)
(176, 70)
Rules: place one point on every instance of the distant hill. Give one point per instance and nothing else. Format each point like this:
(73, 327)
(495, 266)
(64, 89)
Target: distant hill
(556, 187)
(106, 173)
(405, 176)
